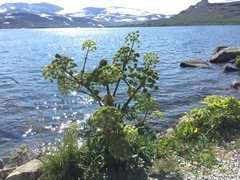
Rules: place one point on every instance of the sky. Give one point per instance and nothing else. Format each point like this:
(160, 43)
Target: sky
(156, 6)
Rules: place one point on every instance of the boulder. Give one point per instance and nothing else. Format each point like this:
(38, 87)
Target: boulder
(194, 63)
(30, 171)
(5, 172)
(223, 54)
(1, 164)
(219, 48)
(235, 84)
(167, 133)
(229, 68)
(21, 156)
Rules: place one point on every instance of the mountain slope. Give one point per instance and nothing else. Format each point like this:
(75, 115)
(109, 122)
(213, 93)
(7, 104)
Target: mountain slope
(203, 13)
(44, 15)
(30, 8)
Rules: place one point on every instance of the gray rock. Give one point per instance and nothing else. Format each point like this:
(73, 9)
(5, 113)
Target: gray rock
(169, 132)
(219, 48)
(236, 84)
(21, 156)
(5, 172)
(30, 171)
(194, 63)
(1, 164)
(228, 68)
(223, 54)
(166, 133)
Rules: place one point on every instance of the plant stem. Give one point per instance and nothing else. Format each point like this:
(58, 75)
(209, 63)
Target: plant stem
(130, 99)
(85, 61)
(123, 68)
(79, 81)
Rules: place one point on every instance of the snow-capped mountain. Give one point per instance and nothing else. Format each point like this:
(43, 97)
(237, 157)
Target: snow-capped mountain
(31, 8)
(115, 16)
(24, 15)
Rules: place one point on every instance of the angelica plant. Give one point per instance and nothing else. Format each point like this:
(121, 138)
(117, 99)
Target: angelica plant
(117, 131)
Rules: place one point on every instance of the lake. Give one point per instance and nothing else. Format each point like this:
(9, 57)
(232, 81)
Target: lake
(33, 111)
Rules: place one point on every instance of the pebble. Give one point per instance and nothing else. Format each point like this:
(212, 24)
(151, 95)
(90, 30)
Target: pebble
(227, 168)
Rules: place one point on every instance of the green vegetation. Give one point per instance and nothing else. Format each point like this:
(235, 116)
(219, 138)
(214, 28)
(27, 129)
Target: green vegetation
(200, 130)
(237, 62)
(203, 13)
(217, 121)
(63, 163)
(116, 142)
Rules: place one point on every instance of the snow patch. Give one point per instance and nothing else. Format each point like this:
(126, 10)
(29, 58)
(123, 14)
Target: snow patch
(9, 17)
(79, 14)
(124, 20)
(44, 15)
(107, 19)
(135, 12)
(50, 18)
(142, 19)
(70, 19)
(154, 18)
(3, 10)
(25, 9)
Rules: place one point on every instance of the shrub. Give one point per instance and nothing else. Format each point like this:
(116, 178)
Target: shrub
(202, 128)
(116, 141)
(219, 119)
(237, 61)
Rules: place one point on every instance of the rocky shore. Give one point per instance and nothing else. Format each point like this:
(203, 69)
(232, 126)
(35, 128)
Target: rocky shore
(223, 55)
(227, 166)
(24, 164)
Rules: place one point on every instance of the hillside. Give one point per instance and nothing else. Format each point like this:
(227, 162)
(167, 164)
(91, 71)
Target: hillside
(203, 13)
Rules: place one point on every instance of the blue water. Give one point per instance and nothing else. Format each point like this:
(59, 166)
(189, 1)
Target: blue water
(32, 110)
